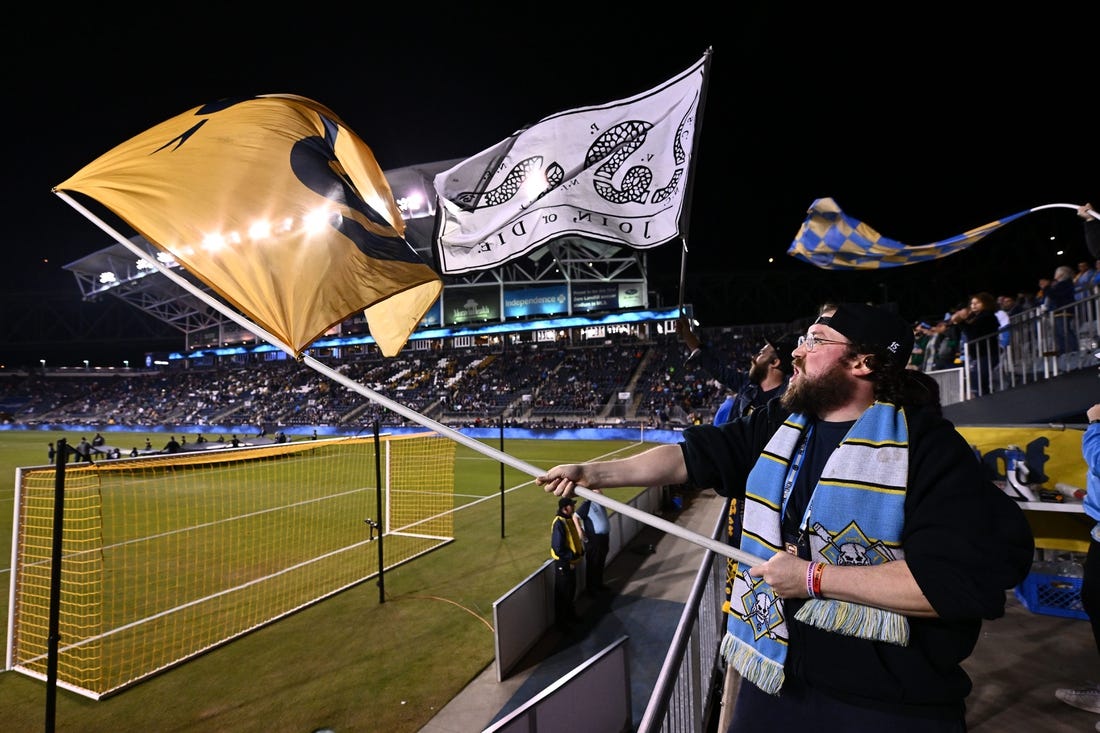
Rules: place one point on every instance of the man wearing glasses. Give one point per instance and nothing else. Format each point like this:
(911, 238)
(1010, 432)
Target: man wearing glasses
(882, 545)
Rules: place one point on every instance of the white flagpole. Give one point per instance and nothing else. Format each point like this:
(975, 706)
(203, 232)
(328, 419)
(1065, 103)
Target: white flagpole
(630, 511)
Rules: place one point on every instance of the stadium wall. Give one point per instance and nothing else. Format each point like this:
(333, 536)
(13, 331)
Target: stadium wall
(639, 434)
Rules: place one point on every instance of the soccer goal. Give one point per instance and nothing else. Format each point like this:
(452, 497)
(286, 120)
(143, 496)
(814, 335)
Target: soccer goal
(165, 557)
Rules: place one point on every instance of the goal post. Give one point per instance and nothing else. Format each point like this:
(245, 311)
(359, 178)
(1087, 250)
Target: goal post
(165, 557)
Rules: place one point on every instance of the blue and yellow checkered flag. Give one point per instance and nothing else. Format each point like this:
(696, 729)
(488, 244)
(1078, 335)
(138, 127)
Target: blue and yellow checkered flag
(832, 240)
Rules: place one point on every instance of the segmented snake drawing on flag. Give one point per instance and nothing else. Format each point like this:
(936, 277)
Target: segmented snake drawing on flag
(618, 172)
(832, 240)
(277, 206)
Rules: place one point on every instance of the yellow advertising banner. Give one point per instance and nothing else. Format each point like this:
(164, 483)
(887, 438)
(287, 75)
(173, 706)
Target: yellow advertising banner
(1053, 452)
(1053, 455)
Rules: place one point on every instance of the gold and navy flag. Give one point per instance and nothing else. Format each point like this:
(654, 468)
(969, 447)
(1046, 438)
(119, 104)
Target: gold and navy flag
(616, 172)
(280, 208)
(832, 240)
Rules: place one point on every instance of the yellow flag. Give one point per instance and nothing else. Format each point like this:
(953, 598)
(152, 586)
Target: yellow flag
(280, 208)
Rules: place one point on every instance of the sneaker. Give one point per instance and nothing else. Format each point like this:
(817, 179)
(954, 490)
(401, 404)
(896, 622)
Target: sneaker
(1085, 698)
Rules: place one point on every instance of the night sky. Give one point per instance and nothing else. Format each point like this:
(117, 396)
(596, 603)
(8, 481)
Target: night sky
(923, 127)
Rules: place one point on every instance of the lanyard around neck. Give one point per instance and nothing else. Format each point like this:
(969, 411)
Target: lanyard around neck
(794, 469)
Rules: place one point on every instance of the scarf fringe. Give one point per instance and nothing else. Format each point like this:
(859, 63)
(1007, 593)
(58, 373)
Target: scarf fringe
(767, 674)
(854, 619)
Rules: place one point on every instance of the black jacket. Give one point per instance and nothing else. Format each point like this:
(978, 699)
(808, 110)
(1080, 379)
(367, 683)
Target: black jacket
(1092, 236)
(965, 541)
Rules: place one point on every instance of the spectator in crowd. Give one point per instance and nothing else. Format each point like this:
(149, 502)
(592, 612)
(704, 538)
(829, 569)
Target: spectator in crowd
(1088, 697)
(1011, 305)
(1083, 280)
(1004, 320)
(922, 332)
(1058, 297)
(595, 528)
(766, 379)
(767, 375)
(1040, 294)
(977, 326)
(1026, 300)
(566, 550)
(725, 411)
(942, 347)
(865, 618)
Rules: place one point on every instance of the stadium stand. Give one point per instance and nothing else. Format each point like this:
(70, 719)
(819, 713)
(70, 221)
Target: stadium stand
(572, 382)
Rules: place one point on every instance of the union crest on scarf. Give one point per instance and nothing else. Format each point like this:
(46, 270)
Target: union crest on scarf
(857, 519)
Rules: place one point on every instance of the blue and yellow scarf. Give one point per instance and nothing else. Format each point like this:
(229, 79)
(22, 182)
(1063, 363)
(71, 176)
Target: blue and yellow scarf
(856, 519)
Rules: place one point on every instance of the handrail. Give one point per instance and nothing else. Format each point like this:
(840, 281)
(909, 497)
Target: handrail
(670, 679)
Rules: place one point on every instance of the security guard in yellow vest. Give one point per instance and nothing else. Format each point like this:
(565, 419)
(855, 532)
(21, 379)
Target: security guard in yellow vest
(566, 550)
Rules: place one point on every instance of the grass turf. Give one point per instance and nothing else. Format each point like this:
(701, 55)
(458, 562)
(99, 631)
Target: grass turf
(350, 662)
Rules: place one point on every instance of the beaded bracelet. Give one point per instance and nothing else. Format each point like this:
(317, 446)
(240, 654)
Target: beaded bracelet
(819, 571)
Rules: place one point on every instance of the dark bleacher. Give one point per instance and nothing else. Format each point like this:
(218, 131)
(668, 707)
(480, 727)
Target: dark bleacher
(551, 384)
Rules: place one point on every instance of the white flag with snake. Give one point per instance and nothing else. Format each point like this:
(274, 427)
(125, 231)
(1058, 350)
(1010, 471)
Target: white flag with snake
(615, 172)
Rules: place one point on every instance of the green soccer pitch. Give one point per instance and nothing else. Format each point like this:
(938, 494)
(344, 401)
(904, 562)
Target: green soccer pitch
(348, 663)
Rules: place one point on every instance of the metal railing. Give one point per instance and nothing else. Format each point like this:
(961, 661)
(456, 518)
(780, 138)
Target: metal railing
(685, 694)
(681, 700)
(1040, 345)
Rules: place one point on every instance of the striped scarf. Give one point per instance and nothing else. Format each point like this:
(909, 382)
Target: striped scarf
(857, 517)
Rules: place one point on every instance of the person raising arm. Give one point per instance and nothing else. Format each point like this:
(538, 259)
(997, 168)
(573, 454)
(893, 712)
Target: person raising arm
(884, 545)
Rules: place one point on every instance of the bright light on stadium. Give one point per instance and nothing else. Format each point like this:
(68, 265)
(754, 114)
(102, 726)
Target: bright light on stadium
(107, 278)
(411, 203)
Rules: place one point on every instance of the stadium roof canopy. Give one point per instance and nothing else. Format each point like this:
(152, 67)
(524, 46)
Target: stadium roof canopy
(115, 271)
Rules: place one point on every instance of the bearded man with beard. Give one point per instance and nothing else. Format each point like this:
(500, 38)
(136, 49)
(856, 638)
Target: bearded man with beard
(881, 544)
(766, 378)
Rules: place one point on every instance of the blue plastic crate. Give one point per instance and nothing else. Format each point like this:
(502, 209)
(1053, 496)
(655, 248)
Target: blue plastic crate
(1052, 595)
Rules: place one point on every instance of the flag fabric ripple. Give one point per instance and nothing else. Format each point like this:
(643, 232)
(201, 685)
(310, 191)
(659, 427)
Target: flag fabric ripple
(280, 208)
(832, 240)
(616, 172)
